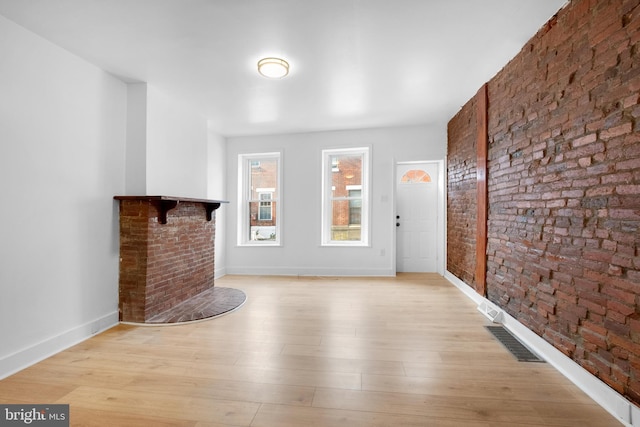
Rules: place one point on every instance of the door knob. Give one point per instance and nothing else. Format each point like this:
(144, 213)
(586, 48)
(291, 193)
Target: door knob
(397, 224)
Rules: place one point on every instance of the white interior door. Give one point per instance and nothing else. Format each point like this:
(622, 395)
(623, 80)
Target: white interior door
(417, 217)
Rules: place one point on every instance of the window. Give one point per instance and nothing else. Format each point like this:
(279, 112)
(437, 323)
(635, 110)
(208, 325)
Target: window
(345, 197)
(258, 196)
(355, 206)
(266, 208)
(415, 176)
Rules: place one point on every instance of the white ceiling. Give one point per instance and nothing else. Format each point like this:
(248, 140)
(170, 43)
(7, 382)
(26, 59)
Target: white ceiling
(354, 63)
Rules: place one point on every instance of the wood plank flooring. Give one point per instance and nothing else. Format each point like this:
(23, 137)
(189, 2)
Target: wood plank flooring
(303, 351)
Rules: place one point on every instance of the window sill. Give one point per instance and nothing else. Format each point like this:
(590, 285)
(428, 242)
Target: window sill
(345, 245)
(259, 245)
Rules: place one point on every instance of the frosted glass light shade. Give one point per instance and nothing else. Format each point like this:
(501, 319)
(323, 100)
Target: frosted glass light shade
(274, 68)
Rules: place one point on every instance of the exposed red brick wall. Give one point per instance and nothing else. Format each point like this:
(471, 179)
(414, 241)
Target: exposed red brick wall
(134, 218)
(564, 188)
(163, 264)
(462, 194)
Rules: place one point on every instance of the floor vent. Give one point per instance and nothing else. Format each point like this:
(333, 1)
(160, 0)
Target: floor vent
(515, 347)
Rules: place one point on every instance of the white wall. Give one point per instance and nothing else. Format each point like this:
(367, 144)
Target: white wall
(301, 252)
(62, 159)
(176, 148)
(136, 152)
(167, 145)
(216, 190)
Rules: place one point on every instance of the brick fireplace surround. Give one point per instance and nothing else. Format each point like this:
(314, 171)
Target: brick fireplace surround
(166, 253)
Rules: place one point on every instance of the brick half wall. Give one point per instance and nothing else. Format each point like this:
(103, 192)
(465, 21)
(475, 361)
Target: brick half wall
(162, 265)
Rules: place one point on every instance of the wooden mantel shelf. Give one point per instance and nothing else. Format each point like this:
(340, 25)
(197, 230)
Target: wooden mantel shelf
(165, 203)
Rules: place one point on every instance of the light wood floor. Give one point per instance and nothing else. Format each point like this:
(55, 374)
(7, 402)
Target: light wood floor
(406, 351)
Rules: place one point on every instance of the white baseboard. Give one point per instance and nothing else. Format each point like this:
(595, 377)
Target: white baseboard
(24, 358)
(612, 401)
(310, 271)
(219, 272)
(466, 289)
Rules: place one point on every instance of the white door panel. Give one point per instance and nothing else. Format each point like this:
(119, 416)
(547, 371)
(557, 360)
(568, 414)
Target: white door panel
(417, 208)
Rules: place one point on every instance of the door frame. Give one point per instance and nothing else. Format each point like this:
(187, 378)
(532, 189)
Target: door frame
(441, 224)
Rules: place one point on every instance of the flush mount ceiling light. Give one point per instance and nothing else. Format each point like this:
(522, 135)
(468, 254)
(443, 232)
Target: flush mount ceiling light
(274, 68)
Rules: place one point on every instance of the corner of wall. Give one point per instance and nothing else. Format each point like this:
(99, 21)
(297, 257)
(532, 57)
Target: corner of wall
(136, 147)
(26, 357)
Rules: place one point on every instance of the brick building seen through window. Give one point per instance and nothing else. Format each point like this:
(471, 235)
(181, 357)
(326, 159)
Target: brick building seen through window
(346, 183)
(262, 207)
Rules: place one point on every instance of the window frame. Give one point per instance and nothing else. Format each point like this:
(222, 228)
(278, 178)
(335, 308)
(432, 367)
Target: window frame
(328, 169)
(246, 163)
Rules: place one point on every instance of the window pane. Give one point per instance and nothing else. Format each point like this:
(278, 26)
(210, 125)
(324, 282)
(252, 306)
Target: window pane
(258, 220)
(355, 206)
(264, 214)
(415, 175)
(262, 223)
(347, 204)
(342, 227)
(348, 172)
(263, 175)
(345, 197)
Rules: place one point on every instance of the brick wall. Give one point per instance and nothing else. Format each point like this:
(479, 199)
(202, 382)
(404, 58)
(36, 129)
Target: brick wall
(563, 253)
(462, 194)
(163, 264)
